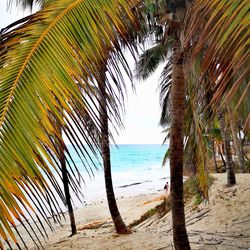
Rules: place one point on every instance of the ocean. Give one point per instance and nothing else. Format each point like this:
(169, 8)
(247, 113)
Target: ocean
(136, 170)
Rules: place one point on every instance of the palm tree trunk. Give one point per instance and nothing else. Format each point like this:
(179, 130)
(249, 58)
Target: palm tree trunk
(237, 144)
(105, 148)
(194, 166)
(229, 162)
(60, 147)
(178, 92)
(214, 157)
(222, 157)
(67, 193)
(242, 144)
(65, 178)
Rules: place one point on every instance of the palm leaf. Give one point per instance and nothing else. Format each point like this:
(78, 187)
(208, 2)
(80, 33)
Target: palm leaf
(44, 61)
(165, 88)
(150, 59)
(28, 3)
(223, 31)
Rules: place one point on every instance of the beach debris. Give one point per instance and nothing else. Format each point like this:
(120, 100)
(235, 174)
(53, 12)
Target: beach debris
(93, 225)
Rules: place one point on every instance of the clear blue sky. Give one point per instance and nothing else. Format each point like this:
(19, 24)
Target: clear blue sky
(142, 109)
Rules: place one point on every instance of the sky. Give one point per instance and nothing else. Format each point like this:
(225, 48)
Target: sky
(142, 108)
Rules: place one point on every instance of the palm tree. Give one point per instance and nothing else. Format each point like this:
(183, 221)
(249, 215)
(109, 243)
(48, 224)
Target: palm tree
(19, 54)
(235, 121)
(197, 14)
(214, 135)
(216, 170)
(177, 112)
(224, 61)
(226, 139)
(35, 70)
(236, 141)
(177, 108)
(65, 179)
(105, 148)
(177, 97)
(119, 224)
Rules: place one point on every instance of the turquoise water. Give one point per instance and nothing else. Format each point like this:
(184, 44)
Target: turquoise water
(137, 157)
(136, 169)
(127, 157)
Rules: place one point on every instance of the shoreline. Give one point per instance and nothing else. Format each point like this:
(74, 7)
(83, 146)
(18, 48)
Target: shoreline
(95, 190)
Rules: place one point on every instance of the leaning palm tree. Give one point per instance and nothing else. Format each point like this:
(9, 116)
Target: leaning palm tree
(35, 70)
(60, 146)
(105, 151)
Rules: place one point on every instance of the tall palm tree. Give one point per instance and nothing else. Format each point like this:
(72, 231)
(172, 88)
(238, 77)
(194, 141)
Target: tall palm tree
(35, 70)
(177, 97)
(105, 149)
(231, 180)
(199, 13)
(236, 141)
(177, 112)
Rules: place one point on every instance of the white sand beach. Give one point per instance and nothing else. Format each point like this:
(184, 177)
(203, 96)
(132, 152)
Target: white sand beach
(223, 223)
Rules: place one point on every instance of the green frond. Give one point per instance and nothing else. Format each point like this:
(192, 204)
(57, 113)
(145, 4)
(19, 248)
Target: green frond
(166, 157)
(45, 64)
(149, 60)
(216, 38)
(165, 88)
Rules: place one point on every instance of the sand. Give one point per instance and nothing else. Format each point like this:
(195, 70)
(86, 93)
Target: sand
(221, 223)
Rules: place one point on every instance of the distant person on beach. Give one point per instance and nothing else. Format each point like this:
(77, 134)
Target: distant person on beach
(166, 187)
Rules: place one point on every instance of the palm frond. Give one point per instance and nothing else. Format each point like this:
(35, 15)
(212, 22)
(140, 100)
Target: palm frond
(165, 87)
(166, 157)
(44, 62)
(27, 3)
(196, 148)
(149, 60)
(220, 31)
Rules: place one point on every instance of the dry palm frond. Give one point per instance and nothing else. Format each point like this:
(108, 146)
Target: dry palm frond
(219, 30)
